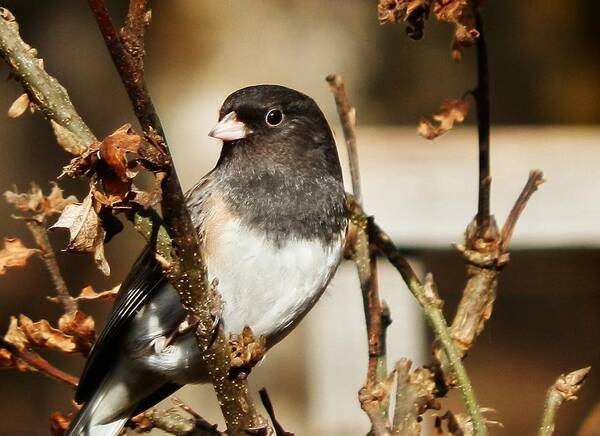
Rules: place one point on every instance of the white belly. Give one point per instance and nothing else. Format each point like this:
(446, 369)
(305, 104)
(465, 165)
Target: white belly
(265, 286)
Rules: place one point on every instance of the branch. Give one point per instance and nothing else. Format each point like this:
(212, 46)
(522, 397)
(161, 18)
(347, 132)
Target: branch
(279, 430)
(37, 362)
(414, 395)
(482, 98)
(365, 259)
(188, 272)
(47, 254)
(43, 90)
(563, 389)
(536, 178)
(347, 116)
(426, 295)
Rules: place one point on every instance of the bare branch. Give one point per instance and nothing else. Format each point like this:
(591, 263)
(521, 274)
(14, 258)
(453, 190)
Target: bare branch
(347, 115)
(188, 272)
(279, 430)
(536, 178)
(482, 98)
(47, 254)
(44, 90)
(563, 389)
(37, 362)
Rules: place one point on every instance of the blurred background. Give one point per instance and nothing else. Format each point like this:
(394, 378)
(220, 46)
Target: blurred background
(545, 102)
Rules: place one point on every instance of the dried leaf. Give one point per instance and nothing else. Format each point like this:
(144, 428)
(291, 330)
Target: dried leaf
(86, 234)
(14, 254)
(59, 423)
(67, 140)
(413, 12)
(451, 112)
(19, 106)
(451, 11)
(113, 152)
(81, 327)
(88, 294)
(42, 334)
(36, 204)
(15, 335)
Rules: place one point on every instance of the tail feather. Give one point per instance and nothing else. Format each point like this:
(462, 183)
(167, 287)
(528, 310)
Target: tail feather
(102, 414)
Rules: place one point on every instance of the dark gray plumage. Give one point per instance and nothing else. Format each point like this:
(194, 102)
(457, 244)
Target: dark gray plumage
(271, 218)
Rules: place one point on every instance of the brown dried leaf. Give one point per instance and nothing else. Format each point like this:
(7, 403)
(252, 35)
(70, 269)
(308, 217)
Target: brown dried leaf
(81, 327)
(15, 335)
(88, 294)
(413, 12)
(42, 334)
(86, 234)
(67, 140)
(14, 254)
(113, 152)
(19, 106)
(36, 204)
(451, 112)
(451, 11)
(59, 423)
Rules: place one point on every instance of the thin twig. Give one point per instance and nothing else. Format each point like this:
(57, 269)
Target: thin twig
(427, 297)
(563, 389)
(189, 273)
(44, 90)
(279, 430)
(536, 178)
(47, 254)
(347, 115)
(482, 99)
(36, 361)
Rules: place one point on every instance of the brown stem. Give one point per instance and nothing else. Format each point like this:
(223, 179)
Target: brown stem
(347, 116)
(564, 389)
(189, 273)
(536, 178)
(47, 254)
(36, 361)
(483, 127)
(279, 430)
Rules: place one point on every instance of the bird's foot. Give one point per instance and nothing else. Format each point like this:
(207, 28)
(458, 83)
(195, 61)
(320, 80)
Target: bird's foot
(246, 350)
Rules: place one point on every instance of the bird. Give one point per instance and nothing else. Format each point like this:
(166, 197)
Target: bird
(271, 218)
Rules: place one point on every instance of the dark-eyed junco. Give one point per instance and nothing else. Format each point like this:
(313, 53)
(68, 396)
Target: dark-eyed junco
(272, 219)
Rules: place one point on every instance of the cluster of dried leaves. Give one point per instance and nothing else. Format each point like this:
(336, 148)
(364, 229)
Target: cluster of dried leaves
(414, 13)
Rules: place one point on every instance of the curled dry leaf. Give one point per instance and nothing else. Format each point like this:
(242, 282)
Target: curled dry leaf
(19, 106)
(412, 12)
(14, 254)
(109, 158)
(81, 327)
(67, 140)
(451, 112)
(42, 334)
(36, 204)
(88, 294)
(86, 234)
(59, 423)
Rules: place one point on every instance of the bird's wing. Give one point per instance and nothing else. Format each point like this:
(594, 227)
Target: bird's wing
(145, 277)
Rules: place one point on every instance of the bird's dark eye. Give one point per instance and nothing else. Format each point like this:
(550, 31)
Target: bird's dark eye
(274, 117)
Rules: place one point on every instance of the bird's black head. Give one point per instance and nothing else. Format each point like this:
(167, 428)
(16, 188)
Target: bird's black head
(277, 125)
(279, 167)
